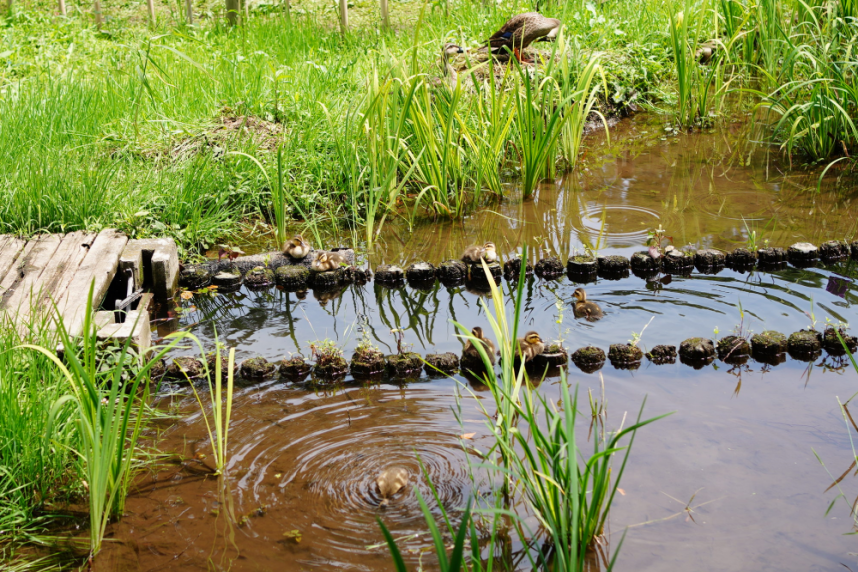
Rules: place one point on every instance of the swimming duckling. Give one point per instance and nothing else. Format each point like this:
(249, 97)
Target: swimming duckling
(390, 482)
(530, 346)
(474, 254)
(584, 308)
(471, 350)
(296, 247)
(326, 261)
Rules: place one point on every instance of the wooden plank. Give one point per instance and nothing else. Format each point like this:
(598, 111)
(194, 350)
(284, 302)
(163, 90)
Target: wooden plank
(19, 298)
(58, 274)
(11, 250)
(14, 273)
(96, 271)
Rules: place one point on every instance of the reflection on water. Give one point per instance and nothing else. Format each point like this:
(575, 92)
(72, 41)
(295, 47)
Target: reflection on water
(729, 482)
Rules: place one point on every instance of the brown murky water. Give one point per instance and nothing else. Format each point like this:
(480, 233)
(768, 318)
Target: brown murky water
(729, 482)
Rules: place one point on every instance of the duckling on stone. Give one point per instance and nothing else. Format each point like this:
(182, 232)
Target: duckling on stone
(390, 482)
(520, 31)
(585, 308)
(474, 254)
(530, 346)
(472, 352)
(326, 261)
(296, 247)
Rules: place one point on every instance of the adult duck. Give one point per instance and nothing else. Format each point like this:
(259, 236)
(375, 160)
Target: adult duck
(520, 31)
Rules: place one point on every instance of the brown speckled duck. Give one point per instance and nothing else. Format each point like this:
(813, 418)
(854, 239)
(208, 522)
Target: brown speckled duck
(530, 346)
(296, 247)
(390, 482)
(326, 261)
(472, 352)
(487, 252)
(585, 308)
(522, 30)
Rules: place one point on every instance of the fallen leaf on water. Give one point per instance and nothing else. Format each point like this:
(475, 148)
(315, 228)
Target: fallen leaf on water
(293, 534)
(278, 475)
(187, 295)
(468, 435)
(621, 491)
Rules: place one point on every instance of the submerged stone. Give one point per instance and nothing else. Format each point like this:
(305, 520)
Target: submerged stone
(549, 268)
(437, 364)
(294, 369)
(662, 354)
(624, 355)
(367, 361)
(804, 345)
(832, 343)
(589, 359)
(512, 269)
(452, 272)
(292, 278)
(259, 277)
(834, 250)
(477, 273)
(768, 343)
(582, 265)
(741, 258)
(388, 274)
(732, 348)
(802, 254)
(771, 256)
(643, 262)
(406, 364)
(613, 267)
(183, 366)
(697, 352)
(554, 355)
(227, 281)
(211, 362)
(330, 367)
(256, 368)
(678, 262)
(420, 272)
(195, 276)
(328, 280)
(709, 261)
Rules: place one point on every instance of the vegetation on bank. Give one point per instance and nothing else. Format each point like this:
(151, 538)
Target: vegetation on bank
(162, 131)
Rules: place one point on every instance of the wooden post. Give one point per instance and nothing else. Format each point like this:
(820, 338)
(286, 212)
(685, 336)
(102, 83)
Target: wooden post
(232, 11)
(288, 11)
(344, 16)
(96, 9)
(62, 7)
(189, 10)
(385, 18)
(151, 5)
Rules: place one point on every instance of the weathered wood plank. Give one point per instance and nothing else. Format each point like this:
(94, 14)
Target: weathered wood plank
(19, 298)
(11, 250)
(14, 273)
(96, 271)
(59, 272)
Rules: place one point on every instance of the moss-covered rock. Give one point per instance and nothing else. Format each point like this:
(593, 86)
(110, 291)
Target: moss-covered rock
(292, 278)
(643, 262)
(477, 274)
(624, 354)
(183, 366)
(211, 361)
(771, 257)
(768, 343)
(158, 369)
(355, 275)
(404, 365)
(328, 280)
(741, 258)
(805, 345)
(582, 265)
(834, 250)
(227, 281)
(832, 343)
(802, 254)
(420, 272)
(733, 348)
(294, 369)
(709, 261)
(389, 275)
(512, 269)
(678, 262)
(259, 277)
(366, 362)
(256, 368)
(549, 268)
(452, 272)
(662, 354)
(331, 368)
(589, 359)
(441, 364)
(697, 349)
(195, 276)
(554, 355)
(613, 266)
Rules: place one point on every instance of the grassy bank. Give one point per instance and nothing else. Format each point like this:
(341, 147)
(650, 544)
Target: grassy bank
(173, 130)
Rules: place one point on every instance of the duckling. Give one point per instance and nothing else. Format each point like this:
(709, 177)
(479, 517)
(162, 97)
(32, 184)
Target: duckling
(584, 308)
(530, 346)
(472, 352)
(474, 254)
(522, 30)
(390, 482)
(296, 247)
(326, 261)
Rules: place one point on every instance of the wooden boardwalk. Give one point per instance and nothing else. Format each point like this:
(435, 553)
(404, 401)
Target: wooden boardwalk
(58, 268)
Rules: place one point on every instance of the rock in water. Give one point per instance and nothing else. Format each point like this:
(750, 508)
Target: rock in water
(390, 482)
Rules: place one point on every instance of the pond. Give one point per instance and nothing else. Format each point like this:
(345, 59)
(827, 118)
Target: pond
(730, 481)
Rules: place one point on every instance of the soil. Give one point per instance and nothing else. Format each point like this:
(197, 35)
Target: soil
(330, 368)
(832, 344)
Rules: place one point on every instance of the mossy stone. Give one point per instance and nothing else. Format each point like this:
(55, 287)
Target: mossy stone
(389, 275)
(741, 258)
(292, 278)
(582, 265)
(613, 265)
(832, 344)
(195, 276)
(420, 272)
(678, 262)
(438, 364)
(624, 354)
(367, 362)
(589, 359)
(804, 345)
(768, 343)
(771, 256)
(733, 348)
(294, 369)
(697, 349)
(158, 369)
(355, 275)
(452, 272)
(709, 261)
(477, 274)
(227, 281)
(554, 355)
(211, 362)
(183, 366)
(259, 277)
(256, 368)
(802, 255)
(662, 354)
(549, 268)
(834, 250)
(512, 269)
(406, 364)
(331, 368)
(329, 279)
(643, 262)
